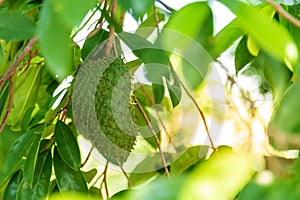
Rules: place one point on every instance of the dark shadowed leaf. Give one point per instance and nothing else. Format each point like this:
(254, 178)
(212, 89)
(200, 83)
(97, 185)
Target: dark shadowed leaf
(30, 163)
(174, 88)
(67, 178)
(40, 185)
(242, 55)
(12, 187)
(67, 145)
(16, 152)
(93, 42)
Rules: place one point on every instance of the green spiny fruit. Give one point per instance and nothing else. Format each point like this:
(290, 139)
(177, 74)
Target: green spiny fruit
(114, 112)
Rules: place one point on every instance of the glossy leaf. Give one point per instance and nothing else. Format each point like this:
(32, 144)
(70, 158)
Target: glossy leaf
(16, 26)
(55, 42)
(67, 178)
(67, 145)
(258, 25)
(72, 11)
(12, 187)
(26, 90)
(220, 177)
(41, 180)
(30, 164)
(286, 117)
(16, 152)
(242, 55)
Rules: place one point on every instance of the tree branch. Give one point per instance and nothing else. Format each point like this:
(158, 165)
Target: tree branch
(199, 110)
(154, 135)
(8, 76)
(284, 14)
(11, 71)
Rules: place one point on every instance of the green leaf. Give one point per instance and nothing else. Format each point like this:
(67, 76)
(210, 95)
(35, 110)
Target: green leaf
(72, 12)
(225, 38)
(16, 26)
(190, 157)
(146, 28)
(192, 40)
(145, 50)
(286, 117)
(222, 176)
(159, 92)
(42, 174)
(199, 26)
(137, 8)
(26, 118)
(7, 138)
(67, 145)
(89, 175)
(67, 178)
(93, 42)
(26, 90)
(140, 178)
(3, 97)
(242, 55)
(259, 25)
(55, 42)
(276, 73)
(30, 163)
(16, 152)
(174, 88)
(12, 187)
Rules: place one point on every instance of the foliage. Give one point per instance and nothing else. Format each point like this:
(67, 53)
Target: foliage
(63, 116)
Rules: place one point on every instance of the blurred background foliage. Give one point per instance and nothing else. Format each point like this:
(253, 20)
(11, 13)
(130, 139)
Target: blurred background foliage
(237, 134)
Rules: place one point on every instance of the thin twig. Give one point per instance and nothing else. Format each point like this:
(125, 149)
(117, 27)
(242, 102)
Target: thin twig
(198, 108)
(104, 180)
(157, 114)
(87, 158)
(9, 74)
(111, 37)
(284, 14)
(125, 174)
(11, 71)
(10, 103)
(85, 23)
(156, 19)
(154, 135)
